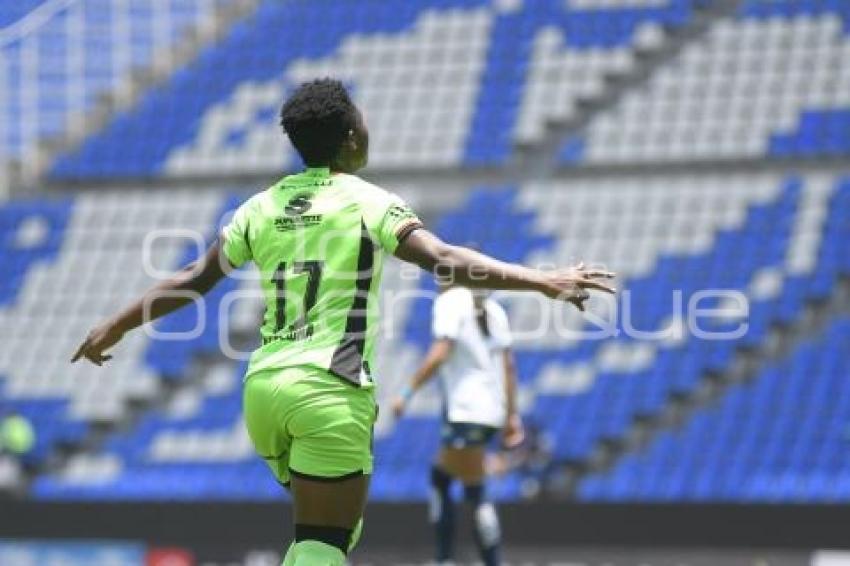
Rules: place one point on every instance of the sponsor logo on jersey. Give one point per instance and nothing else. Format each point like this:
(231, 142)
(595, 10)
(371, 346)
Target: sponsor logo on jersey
(298, 205)
(294, 215)
(291, 334)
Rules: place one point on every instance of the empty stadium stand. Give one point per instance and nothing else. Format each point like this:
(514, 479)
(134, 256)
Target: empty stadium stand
(12, 12)
(773, 238)
(72, 262)
(770, 81)
(442, 83)
(58, 57)
(457, 86)
(781, 437)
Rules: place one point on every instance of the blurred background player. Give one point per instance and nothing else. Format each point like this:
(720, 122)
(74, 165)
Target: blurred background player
(17, 443)
(472, 352)
(17, 436)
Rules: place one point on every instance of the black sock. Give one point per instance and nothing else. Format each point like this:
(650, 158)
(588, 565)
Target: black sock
(332, 536)
(488, 535)
(442, 514)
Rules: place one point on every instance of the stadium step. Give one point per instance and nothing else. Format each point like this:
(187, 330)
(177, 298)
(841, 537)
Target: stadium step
(112, 105)
(746, 365)
(541, 159)
(167, 400)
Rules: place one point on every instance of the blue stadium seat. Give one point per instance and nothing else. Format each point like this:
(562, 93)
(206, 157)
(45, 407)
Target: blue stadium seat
(170, 118)
(171, 358)
(780, 437)
(777, 438)
(11, 12)
(59, 91)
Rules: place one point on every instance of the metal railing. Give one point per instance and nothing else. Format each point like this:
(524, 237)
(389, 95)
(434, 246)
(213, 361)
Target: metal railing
(44, 98)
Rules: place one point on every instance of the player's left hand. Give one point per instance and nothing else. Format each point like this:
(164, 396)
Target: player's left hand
(513, 432)
(574, 284)
(101, 338)
(399, 405)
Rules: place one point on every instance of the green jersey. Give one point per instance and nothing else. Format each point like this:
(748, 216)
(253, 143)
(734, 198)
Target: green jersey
(319, 241)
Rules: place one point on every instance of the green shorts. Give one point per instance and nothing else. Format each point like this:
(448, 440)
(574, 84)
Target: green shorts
(310, 423)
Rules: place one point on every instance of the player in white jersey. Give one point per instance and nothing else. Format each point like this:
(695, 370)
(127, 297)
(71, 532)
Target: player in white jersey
(472, 350)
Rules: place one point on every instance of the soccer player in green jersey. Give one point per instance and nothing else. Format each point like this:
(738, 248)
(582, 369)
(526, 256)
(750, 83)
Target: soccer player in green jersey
(319, 239)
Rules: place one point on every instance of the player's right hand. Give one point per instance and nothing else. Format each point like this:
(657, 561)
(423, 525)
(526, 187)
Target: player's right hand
(574, 284)
(101, 338)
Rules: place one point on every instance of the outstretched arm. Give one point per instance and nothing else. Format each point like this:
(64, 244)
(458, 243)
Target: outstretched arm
(469, 268)
(439, 353)
(182, 288)
(513, 432)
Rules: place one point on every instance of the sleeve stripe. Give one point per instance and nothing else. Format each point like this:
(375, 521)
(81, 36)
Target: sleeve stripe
(247, 241)
(407, 229)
